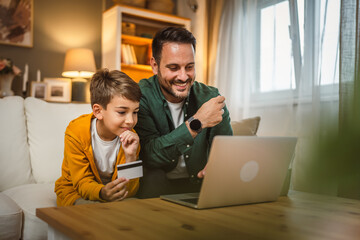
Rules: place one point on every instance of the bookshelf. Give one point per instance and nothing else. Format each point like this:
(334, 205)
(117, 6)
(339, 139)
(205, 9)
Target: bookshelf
(130, 51)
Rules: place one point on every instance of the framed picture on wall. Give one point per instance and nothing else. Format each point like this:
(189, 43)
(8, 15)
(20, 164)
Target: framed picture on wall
(16, 22)
(58, 89)
(38, 90)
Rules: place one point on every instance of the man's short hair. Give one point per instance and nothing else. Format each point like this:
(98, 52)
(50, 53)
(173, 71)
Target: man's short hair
(106, 84)
(171, 34)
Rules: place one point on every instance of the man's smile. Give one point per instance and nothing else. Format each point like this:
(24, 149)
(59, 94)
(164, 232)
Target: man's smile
(181, 85)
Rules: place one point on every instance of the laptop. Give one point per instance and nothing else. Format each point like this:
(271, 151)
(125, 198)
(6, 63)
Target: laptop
(241, 170)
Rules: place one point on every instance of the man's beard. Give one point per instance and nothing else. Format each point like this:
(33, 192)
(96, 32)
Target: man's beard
(168, 88)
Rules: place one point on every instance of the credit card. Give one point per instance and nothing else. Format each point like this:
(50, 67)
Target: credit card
(130, 170)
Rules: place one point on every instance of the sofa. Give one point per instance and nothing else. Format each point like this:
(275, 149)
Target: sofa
(31, 154)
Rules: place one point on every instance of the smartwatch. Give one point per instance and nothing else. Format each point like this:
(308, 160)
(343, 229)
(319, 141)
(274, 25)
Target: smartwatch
(195, 124)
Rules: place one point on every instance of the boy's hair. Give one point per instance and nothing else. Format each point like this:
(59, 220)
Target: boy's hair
(106, 84)
(171, 34)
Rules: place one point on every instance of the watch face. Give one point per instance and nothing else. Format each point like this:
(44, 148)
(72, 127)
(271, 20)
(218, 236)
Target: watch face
(195, 125)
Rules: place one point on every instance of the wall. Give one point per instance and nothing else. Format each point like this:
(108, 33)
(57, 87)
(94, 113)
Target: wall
(58, 26)
(199, 29)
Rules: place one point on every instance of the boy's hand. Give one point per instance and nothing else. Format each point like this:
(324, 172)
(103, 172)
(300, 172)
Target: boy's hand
(130, 143)
(115, 190)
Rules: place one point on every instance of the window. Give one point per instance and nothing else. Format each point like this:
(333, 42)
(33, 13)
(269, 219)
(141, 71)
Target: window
(298, 41)
(330, 27)
(276, 70)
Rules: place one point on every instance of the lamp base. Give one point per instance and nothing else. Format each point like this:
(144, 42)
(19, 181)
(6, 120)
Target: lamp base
(78, 92)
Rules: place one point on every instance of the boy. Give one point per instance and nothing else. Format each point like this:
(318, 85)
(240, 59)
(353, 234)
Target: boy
(95, 143)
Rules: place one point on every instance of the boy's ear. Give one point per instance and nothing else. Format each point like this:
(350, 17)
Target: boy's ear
(97, 110)
(154, 66)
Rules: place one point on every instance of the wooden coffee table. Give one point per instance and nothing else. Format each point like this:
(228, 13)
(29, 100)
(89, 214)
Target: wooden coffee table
(298, 216)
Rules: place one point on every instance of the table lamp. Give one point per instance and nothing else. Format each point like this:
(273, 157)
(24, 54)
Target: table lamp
(79, 64)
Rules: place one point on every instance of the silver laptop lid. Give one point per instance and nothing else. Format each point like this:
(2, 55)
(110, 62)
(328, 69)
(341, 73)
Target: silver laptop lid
(245, 169)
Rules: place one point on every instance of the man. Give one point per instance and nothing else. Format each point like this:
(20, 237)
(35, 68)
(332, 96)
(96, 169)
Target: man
(178, 118)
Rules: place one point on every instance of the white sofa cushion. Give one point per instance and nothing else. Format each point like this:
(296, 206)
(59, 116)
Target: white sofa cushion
(29, 197)
(14, 151)
(10, 218)
(46, 123)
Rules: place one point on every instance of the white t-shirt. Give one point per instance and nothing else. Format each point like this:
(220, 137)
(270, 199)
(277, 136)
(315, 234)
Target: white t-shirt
(105, 153)
(178, 118)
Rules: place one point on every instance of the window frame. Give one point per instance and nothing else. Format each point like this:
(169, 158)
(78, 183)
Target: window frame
(305, 65)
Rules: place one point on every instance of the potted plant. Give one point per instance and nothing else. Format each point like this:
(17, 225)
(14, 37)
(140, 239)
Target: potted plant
(7, 73)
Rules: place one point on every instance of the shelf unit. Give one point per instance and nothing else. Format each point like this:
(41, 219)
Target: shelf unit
(147, 23)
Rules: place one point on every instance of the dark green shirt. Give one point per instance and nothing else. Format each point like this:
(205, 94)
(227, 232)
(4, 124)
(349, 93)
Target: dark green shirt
(162, 144)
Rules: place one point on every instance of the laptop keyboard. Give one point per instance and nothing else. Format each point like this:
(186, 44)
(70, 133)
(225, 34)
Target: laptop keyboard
(190, 200)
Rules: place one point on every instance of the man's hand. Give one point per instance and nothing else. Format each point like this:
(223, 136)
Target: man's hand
(201, 174)
(130, 143)
(210, 113)
(115, 190)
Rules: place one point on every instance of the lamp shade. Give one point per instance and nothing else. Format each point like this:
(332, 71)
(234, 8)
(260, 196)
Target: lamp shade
(79, 63)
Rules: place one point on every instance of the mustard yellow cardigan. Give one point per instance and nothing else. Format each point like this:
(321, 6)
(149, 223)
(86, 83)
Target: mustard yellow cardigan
(80, 177)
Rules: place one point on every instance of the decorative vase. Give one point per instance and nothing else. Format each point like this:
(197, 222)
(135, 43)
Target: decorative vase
(5, 85)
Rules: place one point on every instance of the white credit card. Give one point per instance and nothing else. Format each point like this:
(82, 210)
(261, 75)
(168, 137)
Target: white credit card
(130, 170)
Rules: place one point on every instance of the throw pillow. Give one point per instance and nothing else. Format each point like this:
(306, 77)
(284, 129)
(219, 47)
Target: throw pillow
(246, 127)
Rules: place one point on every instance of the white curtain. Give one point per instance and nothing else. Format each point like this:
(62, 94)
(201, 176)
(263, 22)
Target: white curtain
(254, 84)
(317, 113)
(235, 66)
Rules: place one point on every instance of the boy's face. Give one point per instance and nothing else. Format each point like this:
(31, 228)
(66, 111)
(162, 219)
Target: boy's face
(121, 114)
(176, 72)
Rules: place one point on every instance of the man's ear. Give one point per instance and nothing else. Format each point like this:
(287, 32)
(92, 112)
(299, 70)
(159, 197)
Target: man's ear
(154, 65)
(97, 110)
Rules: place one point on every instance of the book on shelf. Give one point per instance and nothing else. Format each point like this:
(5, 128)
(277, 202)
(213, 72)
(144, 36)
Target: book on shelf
(128, 55)
(124, 54)
(133, 55)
